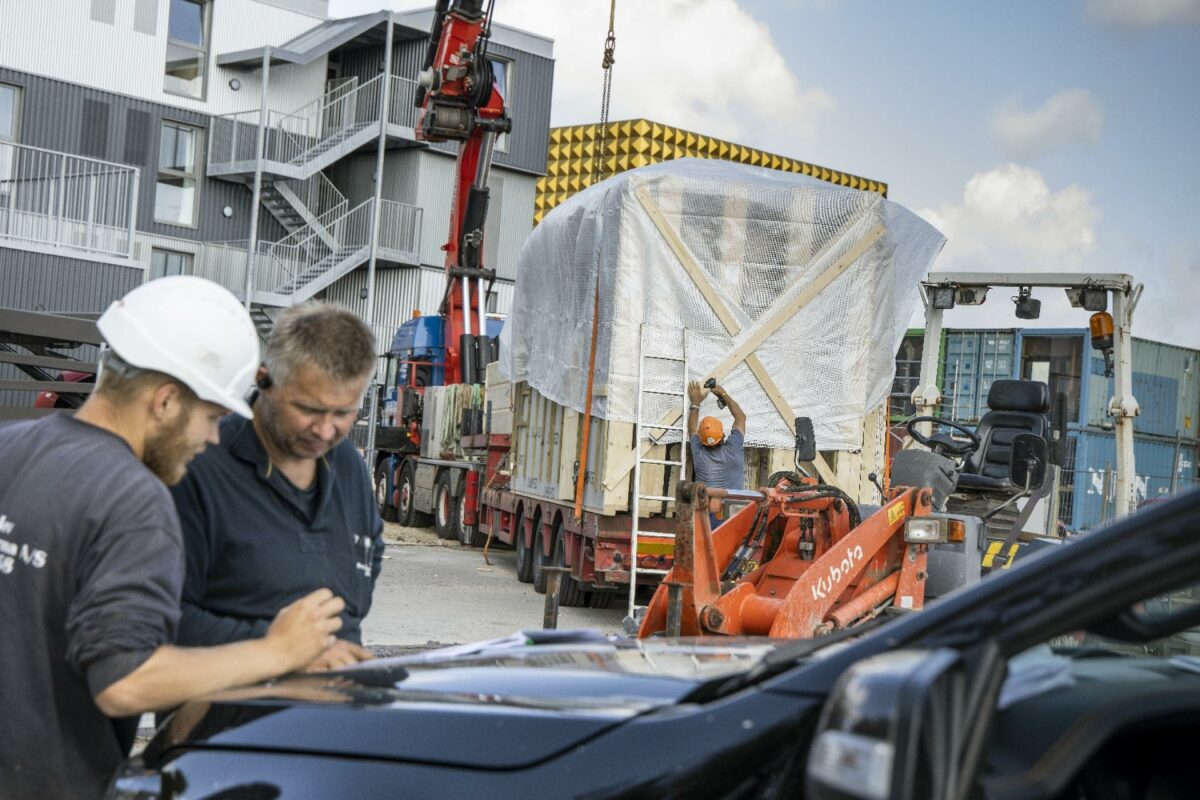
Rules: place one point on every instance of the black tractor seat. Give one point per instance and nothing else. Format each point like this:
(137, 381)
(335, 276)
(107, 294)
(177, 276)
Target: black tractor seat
(1015, 407)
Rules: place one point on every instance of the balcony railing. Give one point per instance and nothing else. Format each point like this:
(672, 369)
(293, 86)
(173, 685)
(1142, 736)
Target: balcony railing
(401, 110)
(400, 231)
(298, 137)
(67, 201)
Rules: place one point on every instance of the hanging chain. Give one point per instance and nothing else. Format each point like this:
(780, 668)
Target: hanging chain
(610, 46)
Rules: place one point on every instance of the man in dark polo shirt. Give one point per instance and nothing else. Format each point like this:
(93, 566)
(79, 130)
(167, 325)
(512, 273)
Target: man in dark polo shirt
(284, 504)
(91, 562)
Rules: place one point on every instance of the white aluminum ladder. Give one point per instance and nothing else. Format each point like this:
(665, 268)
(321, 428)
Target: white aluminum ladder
(675, 363)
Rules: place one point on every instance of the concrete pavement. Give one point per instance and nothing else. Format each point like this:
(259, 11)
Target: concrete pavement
(431, 591)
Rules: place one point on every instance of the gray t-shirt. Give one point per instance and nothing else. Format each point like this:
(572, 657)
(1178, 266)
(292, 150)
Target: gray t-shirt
(91, 568)
(722, 466)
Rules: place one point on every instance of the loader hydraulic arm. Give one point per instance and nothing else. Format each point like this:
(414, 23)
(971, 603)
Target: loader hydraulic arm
(459, 101)
(816, 567)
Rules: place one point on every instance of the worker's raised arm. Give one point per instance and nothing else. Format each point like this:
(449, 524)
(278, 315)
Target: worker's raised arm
(696, 394)
(739, 416)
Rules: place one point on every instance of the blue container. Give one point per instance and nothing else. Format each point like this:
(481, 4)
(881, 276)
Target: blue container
(1166, 384)
(971, 361)
(1091, 453)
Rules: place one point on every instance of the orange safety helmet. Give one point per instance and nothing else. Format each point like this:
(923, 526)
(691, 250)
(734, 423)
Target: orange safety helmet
(711, 432)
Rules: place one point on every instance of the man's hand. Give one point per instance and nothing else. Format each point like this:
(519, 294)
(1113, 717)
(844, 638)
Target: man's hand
(696, 393)
(720, 392)
(304, 630)
(341, 654)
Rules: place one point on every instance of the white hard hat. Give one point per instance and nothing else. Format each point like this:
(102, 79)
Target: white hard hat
(192, 329)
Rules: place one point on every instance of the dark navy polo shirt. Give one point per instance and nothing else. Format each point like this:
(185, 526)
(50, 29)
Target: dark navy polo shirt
(253, 547)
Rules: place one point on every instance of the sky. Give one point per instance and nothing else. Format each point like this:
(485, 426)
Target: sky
(1037, 136)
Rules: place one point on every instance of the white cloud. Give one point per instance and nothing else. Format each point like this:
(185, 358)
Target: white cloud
(704, 65)
(1070, 117)
(1144, 13)
(1010, 220)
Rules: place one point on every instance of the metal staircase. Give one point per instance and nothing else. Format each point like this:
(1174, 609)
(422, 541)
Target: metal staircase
(326, 239)
(300, 143)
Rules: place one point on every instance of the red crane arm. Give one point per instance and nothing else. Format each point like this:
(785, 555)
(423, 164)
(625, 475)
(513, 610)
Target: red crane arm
(460, 101)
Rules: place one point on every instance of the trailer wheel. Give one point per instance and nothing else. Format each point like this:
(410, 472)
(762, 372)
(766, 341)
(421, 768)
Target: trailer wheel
(445, 509)
(540, 559)
(468, 535)
(407, 515)
(601, 599)
(570, 592)
(524, 553)
(383, 498)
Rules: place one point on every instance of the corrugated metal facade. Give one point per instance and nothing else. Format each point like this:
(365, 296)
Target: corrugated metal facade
(508, 223)
(40, 282)
(1092, 456)
(61, 40)
(423, 178)
(52, 117)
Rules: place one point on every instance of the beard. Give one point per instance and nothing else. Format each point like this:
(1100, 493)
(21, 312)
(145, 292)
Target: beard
(167, 452)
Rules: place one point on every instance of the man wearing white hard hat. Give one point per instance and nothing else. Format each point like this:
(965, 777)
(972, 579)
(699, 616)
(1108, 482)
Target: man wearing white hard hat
(91, 557)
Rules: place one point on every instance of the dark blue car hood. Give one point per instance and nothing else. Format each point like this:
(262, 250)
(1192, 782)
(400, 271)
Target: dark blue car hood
(440, 709)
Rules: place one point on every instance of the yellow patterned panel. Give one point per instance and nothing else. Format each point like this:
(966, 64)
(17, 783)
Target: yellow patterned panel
(572, 152)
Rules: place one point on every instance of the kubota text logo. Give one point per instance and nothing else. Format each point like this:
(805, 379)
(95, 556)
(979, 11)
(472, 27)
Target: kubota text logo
(837, 572)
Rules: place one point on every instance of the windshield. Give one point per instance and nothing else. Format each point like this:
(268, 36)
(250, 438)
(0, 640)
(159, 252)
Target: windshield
(1183, 640)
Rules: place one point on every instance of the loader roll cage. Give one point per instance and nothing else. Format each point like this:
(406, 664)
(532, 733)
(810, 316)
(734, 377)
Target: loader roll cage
(1088, 291)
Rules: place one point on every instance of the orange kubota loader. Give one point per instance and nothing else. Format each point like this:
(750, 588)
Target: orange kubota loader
(795, 562)
(798, 561)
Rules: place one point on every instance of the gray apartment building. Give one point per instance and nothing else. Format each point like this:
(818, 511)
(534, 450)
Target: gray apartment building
(133, 135)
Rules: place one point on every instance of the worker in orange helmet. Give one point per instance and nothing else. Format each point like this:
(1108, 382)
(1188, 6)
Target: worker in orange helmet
(717, 459)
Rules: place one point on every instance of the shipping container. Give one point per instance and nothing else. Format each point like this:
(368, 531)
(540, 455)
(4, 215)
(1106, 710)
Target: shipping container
(1166, 378)
(908, 373)
(1166, 384)
(1086, 494)
(972, 361)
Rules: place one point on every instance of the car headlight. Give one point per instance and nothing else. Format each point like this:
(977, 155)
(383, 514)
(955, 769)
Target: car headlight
(925, 530)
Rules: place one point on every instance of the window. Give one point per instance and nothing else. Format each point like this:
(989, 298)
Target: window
(502, 70)
(10, 119)
(187, 48)
(10, 112)
(175, 193)
(1058, 362)
(164, 263)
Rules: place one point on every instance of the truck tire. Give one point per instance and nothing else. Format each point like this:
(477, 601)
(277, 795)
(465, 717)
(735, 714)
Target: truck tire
(602, 599)
(468, 535)
(445, 508)
(406, 513)
(524, 553)
(540, 559)
(383, 498)
(570, 592)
